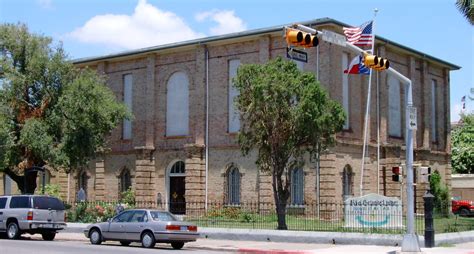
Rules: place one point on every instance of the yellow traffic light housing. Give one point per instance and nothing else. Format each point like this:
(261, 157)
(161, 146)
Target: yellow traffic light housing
(295, 37)
(375, 62)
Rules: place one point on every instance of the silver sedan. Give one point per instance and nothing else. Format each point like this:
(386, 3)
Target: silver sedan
(145, 226)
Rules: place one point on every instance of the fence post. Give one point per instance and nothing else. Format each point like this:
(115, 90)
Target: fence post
(429, 229)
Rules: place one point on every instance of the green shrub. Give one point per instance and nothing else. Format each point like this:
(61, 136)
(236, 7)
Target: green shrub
(441, 195)
(128, 197)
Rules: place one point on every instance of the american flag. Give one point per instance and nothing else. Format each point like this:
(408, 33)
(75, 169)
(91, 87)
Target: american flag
(359, 36)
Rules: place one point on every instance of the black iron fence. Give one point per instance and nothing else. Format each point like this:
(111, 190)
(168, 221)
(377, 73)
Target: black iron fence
(331, 217)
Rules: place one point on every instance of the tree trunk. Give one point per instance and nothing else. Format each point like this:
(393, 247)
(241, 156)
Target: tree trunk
(281, 214)
(25, 185)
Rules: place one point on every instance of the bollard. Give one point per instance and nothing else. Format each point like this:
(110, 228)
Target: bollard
(429, 229)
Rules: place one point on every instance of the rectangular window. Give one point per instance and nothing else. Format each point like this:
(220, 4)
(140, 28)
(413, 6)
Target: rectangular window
(345, 89)
(394, 113)
(234, 114)
(3, 202)
(7, 185)
(433, 111)
(127, 99)
(20, 202)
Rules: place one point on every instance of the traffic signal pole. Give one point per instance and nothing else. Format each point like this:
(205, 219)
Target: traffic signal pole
(410, 241)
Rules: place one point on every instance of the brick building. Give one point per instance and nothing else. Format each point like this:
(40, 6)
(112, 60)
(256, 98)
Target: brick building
(174, 90)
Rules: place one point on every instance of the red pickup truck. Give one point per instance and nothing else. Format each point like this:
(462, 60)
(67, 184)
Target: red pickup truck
(462, 207)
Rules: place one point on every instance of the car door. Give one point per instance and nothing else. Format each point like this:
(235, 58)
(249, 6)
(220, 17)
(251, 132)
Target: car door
(135, 225)
(3, 203)
(117, 226)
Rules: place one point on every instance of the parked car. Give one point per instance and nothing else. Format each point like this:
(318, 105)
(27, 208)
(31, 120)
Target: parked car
(142, 225)
(32, 214)
(462, 207)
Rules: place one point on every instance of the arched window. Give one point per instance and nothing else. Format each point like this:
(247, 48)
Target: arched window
(234, 114)
(233, 186)
(83, 181)
(177, 105)
(347, 182)
(125, 180)
(178, 168)
(297, 186)
(394, 113)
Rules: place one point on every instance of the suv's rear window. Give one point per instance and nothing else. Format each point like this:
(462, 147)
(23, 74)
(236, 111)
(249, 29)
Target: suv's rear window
(47, 203)
(20, 202)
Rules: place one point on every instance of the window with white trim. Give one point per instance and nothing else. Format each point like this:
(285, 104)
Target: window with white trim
(234, 114)
(127, 100)
(297, 187)
(394, 113)
(233, 186)
(345, 89)
(177, 105)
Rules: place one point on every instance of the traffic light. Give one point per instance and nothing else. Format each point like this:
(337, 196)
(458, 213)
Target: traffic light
(397, 174)
(376, 62)
(295, 37)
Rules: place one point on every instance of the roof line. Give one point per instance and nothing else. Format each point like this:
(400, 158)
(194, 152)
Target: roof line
(247, 33)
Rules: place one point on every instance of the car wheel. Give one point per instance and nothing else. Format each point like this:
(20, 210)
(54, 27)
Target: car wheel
(177, 245)
(125, 243)
(48, 236)
(464, 212)
(148, 240)
(95, 236)
(13, 231)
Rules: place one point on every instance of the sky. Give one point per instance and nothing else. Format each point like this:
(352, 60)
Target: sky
(97, 27)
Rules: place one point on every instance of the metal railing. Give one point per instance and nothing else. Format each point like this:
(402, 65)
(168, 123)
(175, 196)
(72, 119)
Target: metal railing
(330, 217)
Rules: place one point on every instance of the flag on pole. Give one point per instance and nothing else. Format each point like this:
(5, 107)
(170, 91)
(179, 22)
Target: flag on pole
(357, 67)
(359, 36)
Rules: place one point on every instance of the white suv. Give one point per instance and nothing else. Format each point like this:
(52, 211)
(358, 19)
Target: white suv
(32, 214)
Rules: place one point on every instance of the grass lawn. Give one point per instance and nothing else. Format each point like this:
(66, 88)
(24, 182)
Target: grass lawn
(442, 225)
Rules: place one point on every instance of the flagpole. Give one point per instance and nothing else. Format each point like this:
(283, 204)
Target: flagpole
(367, 110)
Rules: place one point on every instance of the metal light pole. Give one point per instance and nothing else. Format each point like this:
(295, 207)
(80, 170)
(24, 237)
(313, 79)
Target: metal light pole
(410, 241)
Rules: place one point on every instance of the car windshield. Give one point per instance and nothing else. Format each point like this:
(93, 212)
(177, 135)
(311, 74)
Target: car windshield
(47, 203)
(162, 216)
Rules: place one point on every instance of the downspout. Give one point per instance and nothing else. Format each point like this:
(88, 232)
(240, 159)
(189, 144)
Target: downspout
(207, 123)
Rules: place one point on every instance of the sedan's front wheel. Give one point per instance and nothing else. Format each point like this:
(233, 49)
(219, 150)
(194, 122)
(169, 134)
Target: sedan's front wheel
(148, 240)
(95, 236)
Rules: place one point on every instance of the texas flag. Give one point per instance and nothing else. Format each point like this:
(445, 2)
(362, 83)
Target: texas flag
(357, 67)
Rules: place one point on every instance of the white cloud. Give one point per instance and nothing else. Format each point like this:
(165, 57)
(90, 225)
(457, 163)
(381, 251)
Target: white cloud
(147, 26)
(45, 4)
(227, 21)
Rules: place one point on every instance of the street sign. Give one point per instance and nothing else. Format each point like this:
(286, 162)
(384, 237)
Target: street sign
(412, 124)
(332, 37)
(297, 55)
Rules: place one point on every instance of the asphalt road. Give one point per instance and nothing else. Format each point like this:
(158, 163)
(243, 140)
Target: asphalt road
(28, 246)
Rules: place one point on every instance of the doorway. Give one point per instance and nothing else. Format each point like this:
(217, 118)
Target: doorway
(177, 188)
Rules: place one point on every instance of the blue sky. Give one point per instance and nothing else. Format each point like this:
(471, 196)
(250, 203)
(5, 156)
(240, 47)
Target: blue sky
(97, 27)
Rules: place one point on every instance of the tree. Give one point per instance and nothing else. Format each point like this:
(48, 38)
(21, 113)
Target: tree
(51, 114)
(285, 116)
(462, 139)
(466, 7)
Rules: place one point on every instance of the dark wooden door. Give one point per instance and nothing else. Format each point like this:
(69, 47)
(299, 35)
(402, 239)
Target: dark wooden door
(177, 198)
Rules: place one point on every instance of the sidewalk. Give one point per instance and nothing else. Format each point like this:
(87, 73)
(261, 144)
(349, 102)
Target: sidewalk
(302, 242)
